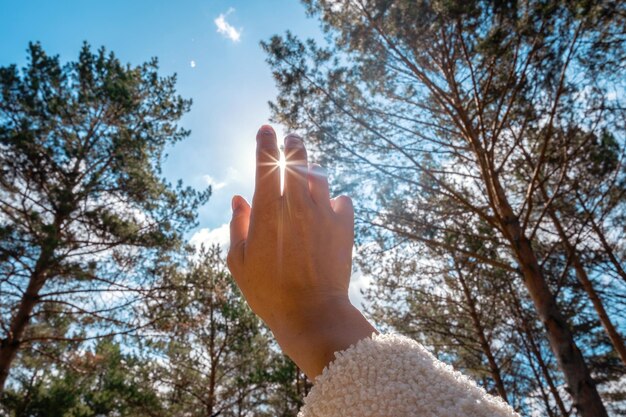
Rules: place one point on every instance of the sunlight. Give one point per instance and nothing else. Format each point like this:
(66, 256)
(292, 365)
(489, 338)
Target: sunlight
(282, 164)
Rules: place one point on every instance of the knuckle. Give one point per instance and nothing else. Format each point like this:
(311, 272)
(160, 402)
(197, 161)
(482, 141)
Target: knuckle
(293, 139)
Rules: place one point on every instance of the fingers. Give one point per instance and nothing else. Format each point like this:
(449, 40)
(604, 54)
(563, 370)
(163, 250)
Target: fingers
(318, 185)
(238, 231)
(267, 185)
(343, 208)
(296, 188)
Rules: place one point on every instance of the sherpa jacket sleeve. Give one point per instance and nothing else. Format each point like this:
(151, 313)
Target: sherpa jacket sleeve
(394, 376)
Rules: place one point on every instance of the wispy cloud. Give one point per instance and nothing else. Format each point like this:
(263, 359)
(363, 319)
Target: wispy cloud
(215, 185)
(225, 28)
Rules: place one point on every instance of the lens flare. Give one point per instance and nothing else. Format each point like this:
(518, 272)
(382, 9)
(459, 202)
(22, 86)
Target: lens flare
(282, 164)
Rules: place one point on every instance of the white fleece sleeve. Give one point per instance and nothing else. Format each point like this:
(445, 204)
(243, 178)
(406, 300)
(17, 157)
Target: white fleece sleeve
(392, 375)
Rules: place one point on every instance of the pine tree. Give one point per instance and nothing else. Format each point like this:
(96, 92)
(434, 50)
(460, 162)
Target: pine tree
(85, 214)
(89, 382)
(215, 357)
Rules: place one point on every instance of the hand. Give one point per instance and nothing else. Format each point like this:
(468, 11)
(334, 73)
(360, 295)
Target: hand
(291, 256)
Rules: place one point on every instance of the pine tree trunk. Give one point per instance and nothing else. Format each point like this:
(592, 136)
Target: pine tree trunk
(532, 347)
(581, 386)
(581, 274)
(484, 343)
(11, 344)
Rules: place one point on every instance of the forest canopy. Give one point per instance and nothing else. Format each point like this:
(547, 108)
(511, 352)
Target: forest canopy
(484, 146)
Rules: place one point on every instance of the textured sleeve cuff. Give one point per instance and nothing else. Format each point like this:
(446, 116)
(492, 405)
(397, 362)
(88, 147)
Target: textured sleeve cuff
(392, 375)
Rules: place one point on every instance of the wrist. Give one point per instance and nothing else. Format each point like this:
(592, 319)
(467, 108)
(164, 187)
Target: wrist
(317, 329)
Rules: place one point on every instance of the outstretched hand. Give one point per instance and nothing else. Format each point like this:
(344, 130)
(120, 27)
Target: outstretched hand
(291, 256)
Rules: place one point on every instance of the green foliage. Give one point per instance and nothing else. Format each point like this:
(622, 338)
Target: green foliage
(92, 246)
(85, 214)
(205, 354)
(215, 356)
(101, 381)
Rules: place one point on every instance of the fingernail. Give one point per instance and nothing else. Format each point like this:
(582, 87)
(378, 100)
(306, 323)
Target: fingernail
(293, 139)
(317, 168)
(235, 203)
(265, 130)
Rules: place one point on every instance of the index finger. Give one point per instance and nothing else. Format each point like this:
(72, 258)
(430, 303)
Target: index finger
(267, 185)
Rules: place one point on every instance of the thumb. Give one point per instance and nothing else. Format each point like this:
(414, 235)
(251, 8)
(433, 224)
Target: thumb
(238, 231)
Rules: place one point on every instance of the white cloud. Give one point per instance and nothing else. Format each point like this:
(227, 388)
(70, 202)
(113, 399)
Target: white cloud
(358, 282)
(192, 64)
(233, 174)
(215, 185)
(219, 235)
(225, 28)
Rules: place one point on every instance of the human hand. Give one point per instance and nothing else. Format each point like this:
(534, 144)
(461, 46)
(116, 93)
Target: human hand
(291, 256)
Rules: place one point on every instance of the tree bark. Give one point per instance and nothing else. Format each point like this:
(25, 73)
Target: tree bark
(580, 384)
(10, 345)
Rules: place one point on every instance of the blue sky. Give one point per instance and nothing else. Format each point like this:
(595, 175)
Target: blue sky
(212, 45)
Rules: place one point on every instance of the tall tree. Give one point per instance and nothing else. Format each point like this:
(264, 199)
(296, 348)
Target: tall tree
(216, 357)
(452, 113)
(460, 309)
(84, 213)
(211, 345)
